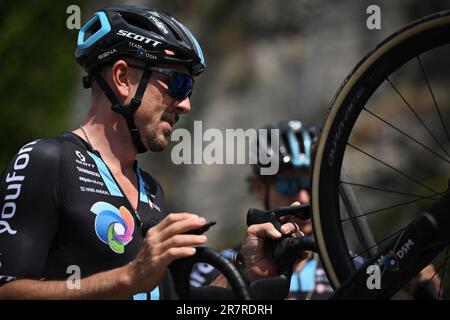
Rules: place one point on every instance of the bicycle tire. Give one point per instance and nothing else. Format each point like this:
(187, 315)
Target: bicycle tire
(395, 51)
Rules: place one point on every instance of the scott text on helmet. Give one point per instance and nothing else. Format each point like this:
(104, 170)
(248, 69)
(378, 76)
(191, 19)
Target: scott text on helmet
(138, 37)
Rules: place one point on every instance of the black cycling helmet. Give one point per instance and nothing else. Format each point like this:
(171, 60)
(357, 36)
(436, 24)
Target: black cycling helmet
(137, 32)
(148, 35)
(295, 150)
(295, 147)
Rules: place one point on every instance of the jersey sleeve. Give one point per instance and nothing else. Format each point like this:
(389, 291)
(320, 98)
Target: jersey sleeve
(29, 210)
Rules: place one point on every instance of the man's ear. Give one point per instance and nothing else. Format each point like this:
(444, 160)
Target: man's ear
(121, 79)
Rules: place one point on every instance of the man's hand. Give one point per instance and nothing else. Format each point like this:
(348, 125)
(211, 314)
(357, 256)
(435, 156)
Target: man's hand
(163, 244)
(259, 261)
(417, 284)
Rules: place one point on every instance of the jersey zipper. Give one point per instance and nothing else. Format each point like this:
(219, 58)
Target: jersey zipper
(136, 215)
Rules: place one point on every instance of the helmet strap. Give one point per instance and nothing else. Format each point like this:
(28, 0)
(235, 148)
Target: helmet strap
(127, 111)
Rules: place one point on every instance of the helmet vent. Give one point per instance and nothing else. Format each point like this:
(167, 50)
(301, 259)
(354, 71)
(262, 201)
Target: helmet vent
(139, 21)
(92, 30)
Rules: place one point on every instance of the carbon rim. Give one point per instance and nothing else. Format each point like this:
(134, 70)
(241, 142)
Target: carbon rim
(355, 100)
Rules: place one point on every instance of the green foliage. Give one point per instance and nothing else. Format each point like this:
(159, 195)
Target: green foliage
(37, 72)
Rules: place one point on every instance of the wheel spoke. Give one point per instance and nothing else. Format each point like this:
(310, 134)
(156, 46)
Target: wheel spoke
(417, 116)
(387, 190)
(407, 135)
(378, 243)
(393, 168)
(442, 265)
(434, 98)
(390, 207)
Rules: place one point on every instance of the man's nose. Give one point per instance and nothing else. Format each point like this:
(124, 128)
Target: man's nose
(184, 106)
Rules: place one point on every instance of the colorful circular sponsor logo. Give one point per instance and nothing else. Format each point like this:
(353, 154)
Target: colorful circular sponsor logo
(113, 226)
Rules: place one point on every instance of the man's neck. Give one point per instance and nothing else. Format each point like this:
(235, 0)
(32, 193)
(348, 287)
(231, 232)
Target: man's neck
(111, 138)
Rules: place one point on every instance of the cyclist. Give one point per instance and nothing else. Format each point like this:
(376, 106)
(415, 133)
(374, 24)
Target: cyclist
(75, 205)
(290, 184)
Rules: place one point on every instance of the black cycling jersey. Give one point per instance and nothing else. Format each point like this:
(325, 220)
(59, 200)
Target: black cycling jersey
(62, 207)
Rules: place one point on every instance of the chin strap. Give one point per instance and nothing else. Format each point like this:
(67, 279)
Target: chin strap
(127, 111)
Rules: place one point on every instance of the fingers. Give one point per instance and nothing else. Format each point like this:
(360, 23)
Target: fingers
(168, 241)
(290, 228)
(172, 218)
(269, 230)
(175, 224)
(264, 230)
(301, 225)
(179, 246)
(178, 253)
(183, 240)
(163, 244)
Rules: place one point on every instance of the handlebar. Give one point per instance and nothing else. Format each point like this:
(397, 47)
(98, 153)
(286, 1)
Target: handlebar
(181, 269)
(285, 252)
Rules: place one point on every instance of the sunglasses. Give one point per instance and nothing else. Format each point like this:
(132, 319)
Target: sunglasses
(289, 187)
(180, 84)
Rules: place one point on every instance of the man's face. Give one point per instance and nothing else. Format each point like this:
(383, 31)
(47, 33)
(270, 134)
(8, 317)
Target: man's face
(278, 197)
(159, 112)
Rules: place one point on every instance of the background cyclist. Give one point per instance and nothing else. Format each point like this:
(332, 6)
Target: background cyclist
(291, 183)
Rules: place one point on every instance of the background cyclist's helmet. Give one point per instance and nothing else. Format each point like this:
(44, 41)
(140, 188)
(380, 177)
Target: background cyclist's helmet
(296, 145)
(150, 35)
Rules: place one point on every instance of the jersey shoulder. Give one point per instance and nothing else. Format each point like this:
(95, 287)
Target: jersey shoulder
(34, 157)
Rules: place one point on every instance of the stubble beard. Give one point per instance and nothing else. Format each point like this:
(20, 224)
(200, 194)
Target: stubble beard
(155, 142)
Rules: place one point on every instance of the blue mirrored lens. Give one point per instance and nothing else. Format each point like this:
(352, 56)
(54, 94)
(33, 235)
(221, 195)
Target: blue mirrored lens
(180, 86)
(290, 187)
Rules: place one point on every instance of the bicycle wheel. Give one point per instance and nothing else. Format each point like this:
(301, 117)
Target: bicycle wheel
(387, 128)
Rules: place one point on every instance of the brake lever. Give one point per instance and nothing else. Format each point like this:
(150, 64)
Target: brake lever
(258, 216)
(302, 211)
